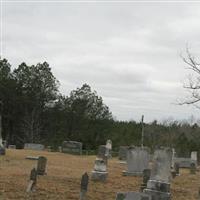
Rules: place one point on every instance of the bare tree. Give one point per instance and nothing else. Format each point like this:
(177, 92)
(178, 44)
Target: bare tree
(192, 83)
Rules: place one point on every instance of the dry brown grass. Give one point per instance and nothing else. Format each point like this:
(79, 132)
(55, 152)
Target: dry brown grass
(63, 178)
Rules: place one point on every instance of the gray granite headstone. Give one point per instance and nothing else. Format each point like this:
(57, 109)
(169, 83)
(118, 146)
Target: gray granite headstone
(33, 146)
(123, 152)
(194, 156)
(159, 184)
(137, 160)
(72, 147)
(101, 151)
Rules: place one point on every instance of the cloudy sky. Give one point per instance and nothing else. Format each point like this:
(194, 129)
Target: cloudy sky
(128, 52)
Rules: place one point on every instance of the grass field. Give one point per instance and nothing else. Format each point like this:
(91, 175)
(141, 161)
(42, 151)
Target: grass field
(63, 178)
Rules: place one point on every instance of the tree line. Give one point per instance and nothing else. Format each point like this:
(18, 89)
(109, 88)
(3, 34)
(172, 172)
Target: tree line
(35, 111)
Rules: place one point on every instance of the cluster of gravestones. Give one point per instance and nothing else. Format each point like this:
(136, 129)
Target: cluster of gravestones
(157, 169)
(156, 178)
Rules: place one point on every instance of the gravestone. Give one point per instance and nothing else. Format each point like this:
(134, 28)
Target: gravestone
(176, 169)
(185, 162)
(101, 151)
(194, 156)
(132, 196)
(123, 153)
(60, 149)
(100, 171)
(137, 160)
(146, 177)
(84, 186)
(2, 147)
(192, 168)
(41, 165)
(72, 147)
(108, 152)
(159, 184)
(32, 181)
(34, 146)
(173, 157)
(11, 146)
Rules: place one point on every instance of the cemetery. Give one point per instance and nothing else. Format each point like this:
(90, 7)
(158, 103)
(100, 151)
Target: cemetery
(60, 175)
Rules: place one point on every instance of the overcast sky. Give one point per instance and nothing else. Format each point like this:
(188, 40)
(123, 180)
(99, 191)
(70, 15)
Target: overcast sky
(128, 52)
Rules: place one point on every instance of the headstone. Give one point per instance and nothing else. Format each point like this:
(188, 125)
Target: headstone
(72, 147)
(101, 151)
(146, 177)
(159, 184)
(132, 196)
(99, 173)
(185, 162)
(84, 186)
(137, 160)
(123, 153)
(173, 157)
(41, 165)
(194, 156)
(60, 149)
(33, 146)
(33, 180)
(2, 147)
(49, 148)
(176, 169)
(11, 146)
(192, 168)
(108, 152)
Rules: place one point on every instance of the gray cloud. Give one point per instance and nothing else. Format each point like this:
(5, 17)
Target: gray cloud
(127, 52)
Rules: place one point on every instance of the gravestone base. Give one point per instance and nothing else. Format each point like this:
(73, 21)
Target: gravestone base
(126, 173)
(157, 195)
(158, 186)
(158, 190)
(99, 176)
(132, 196)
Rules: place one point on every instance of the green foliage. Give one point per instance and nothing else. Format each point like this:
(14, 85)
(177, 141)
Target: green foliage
(34, 111)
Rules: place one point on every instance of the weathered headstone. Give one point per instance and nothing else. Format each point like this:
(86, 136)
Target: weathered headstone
(100, 171)
(101, 151)
(11, 146)
(185, 162)
(72, 147)
(84, 186)
(194, 156)
(123, 153)
(132, 196)
(33, 146)
(49, 149)
(192, 168)
(32, 181)
(2, 147)
(60, 149)
(41, 165)
(137, 160)
(159, 184)
(176, 169)
(108, 152)
(146, 177)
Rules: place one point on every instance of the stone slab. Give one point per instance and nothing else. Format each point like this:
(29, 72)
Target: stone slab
(72, 147)
(34, 146)
(126, 173)
(132, 196)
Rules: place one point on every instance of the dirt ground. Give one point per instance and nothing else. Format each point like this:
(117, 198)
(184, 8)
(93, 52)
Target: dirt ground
(63, 178)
